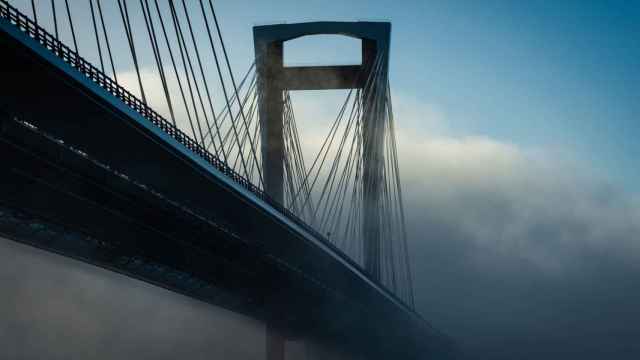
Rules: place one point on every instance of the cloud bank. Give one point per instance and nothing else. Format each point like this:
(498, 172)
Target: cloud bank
(517, 253)
(521, 253)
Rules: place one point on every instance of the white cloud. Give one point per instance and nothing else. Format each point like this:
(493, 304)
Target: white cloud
(537, 204)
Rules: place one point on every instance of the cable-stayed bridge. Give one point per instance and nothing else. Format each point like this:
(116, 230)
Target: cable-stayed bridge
(211, 195)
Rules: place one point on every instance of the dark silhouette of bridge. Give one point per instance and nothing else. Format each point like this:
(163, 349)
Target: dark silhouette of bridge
(229, 214)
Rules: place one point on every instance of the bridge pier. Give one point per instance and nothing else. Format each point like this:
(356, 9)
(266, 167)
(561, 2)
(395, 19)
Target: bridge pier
(274, 78)
(275, 344)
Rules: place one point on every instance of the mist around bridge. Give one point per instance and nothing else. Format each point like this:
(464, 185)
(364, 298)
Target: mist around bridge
(517, 253)
(520, 251)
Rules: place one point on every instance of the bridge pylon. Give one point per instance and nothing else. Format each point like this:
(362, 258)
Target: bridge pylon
(274, 78)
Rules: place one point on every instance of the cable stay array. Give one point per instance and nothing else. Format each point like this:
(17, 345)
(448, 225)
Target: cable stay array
(171, 54)
(330, 192)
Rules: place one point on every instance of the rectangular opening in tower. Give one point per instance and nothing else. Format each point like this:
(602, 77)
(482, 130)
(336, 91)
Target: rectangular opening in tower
(321, 50)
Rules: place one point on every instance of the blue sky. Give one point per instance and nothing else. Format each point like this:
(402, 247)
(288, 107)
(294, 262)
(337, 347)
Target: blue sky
(533, 73)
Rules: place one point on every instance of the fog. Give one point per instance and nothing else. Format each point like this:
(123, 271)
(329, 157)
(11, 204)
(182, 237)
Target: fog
(517, 253)
(58, 308)
(522, 255)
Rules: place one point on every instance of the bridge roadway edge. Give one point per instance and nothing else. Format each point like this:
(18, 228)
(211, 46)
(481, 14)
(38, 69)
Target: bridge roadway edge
(85, 126)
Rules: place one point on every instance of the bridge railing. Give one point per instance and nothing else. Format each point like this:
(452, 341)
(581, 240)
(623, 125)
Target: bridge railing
(72, 58)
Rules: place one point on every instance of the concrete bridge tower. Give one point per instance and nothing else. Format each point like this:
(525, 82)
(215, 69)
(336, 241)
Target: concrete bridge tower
(274, 78)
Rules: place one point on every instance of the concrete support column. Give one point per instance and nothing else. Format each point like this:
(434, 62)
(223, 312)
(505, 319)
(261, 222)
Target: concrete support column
(275, 344)
(373, 155)
(269, 64)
